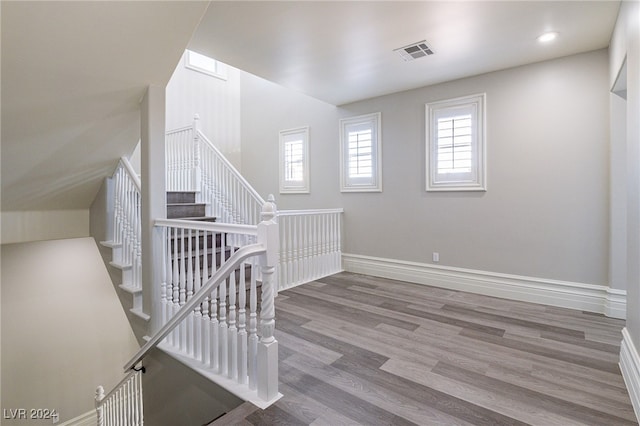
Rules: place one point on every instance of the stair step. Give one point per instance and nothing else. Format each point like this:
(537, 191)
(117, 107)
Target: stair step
(138, 312)
(178, 197)
(186, 210)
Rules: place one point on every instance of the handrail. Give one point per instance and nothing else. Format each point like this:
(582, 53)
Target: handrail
(216, 279)
(308, 212)
(181, 129)
(132, 173)
(127, 376)
(235, 171)
(230, 228)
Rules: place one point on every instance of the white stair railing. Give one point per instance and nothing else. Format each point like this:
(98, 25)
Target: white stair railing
(122, 406)
(127, 232)
(208, 322)
(311, 240)
(195, 164)
(310, 245)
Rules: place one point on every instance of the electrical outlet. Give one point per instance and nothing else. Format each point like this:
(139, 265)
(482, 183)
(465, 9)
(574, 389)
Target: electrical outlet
(436, 257)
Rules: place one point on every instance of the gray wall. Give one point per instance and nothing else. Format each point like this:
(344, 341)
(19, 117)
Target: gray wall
(545, 213)
(625, 43)
(63, 329)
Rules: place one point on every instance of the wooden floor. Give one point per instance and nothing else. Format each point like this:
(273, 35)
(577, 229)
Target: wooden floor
(361, 350)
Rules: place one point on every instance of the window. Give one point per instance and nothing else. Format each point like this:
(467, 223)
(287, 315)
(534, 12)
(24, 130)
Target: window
(455, 144)
(204, 64)
(294, 160)
(360, 142)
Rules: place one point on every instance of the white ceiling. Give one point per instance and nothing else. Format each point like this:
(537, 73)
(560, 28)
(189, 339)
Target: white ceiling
(73, 72)
(343, 51)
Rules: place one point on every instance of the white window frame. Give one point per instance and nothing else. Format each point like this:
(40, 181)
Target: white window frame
(475, 179)
(216, 69)
(299, 186)
(372, 183)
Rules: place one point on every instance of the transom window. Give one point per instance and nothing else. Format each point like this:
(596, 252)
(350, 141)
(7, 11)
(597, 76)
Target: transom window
(455, 144)
(360, 153)
(204, 64)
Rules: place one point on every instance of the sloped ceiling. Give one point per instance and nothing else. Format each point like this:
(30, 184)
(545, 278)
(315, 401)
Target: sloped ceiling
(343, 51)
(72, 77)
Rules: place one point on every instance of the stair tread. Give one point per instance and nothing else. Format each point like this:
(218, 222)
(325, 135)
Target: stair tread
(198, 218)
(120, 265)
(129, 289)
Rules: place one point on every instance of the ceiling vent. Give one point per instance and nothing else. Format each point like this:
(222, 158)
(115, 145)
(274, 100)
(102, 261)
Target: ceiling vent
(414, 51)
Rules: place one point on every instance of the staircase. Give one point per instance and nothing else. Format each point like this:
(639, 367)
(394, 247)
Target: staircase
(219, 259)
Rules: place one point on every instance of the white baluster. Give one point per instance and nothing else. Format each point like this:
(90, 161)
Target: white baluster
(214, 329)
(253, 329)
(197, 332)
(183, 291)
(242, 327)
(140, 400)
(232, 332)
(206, 320)
(190, 319)
(223, 327)
(196, 154)
(138, 266)
(99, 406)
(176, 285)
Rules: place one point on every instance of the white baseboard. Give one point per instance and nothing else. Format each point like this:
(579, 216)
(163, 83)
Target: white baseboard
(585, 297)
(630, 367)
(87, 419)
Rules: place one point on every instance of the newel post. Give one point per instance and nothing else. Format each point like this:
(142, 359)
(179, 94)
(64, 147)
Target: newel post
(99, 407)
(197, 168)
(268, 345)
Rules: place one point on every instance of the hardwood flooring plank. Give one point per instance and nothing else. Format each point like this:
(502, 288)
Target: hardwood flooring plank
(333, 344)
(517, 321)
(603, 347)
(344, 401)
(457, 350)
(421, 322)
(425, 395)
(357, 316)
(297, 345)
(321, 412)
(404, 410)
(563, 346)
(613, 389)
(582, 323)
(394, 346)
(288, 316)
(275, 416)
(530, 348)
(375, 299)
(582, 413)
(505, 405)
(564, 392)
(444, 319)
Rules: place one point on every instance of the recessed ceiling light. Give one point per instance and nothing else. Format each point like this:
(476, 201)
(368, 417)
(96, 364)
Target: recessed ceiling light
(548, 37)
